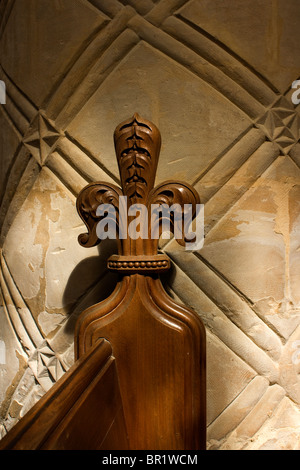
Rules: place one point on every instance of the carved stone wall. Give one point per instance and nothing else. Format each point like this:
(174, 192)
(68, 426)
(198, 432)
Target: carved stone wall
(216, 78)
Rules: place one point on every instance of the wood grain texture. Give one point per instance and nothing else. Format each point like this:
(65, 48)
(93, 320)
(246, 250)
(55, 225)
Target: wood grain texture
(160, 356)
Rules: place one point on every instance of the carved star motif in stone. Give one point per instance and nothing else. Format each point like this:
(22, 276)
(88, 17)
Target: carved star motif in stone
(42, 138)
(46, 366)
(281, 124)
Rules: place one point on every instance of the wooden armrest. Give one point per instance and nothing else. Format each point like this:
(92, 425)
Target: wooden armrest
(82, 411)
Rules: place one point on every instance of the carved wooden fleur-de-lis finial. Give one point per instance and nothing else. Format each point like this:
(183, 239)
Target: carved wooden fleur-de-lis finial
(137, 145)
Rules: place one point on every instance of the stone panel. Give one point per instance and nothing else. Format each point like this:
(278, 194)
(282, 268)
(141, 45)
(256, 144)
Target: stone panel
(42, 39)
(262, 215)
(9, 144)
(152, 89)
(225, 381)
(267, 42)
(10, 360)
(42, 251)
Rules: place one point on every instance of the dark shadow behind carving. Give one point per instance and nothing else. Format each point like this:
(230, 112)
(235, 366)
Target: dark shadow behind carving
(89, 283)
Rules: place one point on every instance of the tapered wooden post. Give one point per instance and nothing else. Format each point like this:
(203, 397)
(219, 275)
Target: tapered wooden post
(159, 346)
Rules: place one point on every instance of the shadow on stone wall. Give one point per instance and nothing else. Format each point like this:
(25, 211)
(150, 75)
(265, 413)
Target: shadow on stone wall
(89, 283)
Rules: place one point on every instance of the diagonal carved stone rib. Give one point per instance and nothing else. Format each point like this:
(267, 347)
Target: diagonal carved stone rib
(226, 166)
(22, 319)
(228, 301)
(219, 57)
(239, 183)
(24, 105)
(197, 65)
(111, 56)
(219, 324)
(110, 8)
(256, 417)
(82, 162)
(65, 173)
(162, 10)
(87, 61)
(15, 320)
(237, 411)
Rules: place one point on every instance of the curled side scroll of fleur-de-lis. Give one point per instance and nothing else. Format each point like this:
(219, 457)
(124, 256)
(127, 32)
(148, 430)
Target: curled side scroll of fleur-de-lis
(169, 201)
(88, 201)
